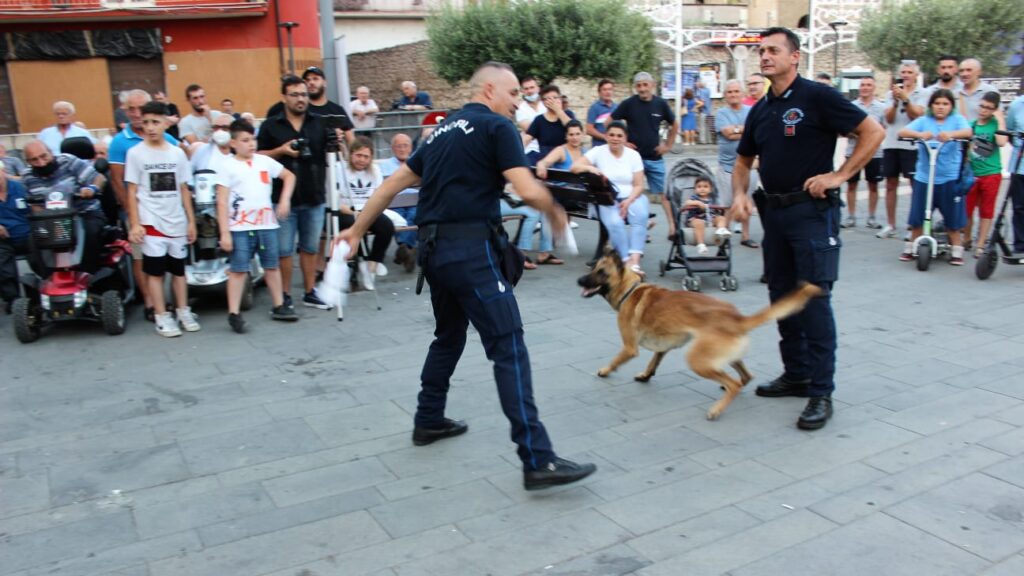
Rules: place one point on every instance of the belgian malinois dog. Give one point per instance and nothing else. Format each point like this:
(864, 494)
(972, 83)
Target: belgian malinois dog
(661, 320)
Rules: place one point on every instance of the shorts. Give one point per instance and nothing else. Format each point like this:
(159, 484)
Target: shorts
(723, 180)
(896, 161)
(945, 198)
(163, 254)
(655, 172)
(136, 248)
(872, 172)
(983, 195)
(305, 224)
(246, 243)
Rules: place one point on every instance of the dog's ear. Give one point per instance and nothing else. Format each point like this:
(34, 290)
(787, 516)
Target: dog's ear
(609, 251)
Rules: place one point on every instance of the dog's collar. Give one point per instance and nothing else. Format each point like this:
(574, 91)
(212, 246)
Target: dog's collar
(628, 292)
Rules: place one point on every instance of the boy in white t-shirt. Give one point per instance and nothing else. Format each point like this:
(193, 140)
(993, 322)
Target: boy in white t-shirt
(160, 217)
(248, 222)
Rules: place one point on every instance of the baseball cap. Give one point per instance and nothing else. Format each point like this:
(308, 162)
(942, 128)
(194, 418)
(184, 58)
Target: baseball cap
(643, 77)
(434, 118)
(314, 70)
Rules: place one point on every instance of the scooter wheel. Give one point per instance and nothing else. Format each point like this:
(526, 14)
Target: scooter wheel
(246, 303)
(112, 312)
(986, 264)
(924, 257)
(26, 324)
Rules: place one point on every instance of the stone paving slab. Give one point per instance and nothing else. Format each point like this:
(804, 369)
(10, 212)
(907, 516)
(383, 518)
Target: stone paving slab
(286, 451)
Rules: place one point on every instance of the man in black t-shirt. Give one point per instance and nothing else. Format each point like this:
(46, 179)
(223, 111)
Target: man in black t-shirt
(644, 113)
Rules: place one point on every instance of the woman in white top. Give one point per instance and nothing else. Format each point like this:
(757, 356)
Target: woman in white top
(624, 169)
(363, 178)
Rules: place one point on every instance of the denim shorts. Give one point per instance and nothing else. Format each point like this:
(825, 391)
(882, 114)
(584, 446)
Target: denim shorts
(655, 172)
(945, 197)
(247, 243)
(305, 223)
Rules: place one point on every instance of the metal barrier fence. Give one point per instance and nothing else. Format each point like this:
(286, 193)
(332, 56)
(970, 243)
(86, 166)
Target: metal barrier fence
(399, 122)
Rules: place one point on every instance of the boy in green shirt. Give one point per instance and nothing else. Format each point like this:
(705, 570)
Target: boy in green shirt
(987, 167)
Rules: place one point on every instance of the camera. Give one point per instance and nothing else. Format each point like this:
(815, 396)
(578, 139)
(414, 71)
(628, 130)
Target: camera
(301, 145)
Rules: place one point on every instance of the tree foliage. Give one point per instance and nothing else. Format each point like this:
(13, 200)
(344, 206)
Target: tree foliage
(923, 30)
(554, 38)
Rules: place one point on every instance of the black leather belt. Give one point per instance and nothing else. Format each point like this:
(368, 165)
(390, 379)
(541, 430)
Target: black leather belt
(456, 231)
(787, 199)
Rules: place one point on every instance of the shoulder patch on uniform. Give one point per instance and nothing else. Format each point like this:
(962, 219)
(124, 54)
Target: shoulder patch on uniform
(792, 117)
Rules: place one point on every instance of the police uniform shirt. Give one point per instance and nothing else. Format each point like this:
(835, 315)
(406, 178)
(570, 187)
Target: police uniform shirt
(310, 173)
(461, 163)
(795, 133)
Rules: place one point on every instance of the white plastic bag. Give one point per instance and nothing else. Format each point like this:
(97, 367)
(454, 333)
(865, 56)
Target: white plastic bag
(335, 284)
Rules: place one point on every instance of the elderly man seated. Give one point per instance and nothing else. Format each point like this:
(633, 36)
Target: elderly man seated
(401, 147)
(64, 128)
(70, 175)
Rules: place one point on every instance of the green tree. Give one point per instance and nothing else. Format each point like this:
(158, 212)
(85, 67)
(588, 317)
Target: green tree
(923, 30)
(554, 38)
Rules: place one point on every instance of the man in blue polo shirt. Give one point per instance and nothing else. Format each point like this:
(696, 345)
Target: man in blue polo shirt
(125, 140)
(793, 132)
(13, 236)
(600, 111)
(461, 168)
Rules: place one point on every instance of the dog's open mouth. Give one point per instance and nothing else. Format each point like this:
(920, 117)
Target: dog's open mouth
(588, 292)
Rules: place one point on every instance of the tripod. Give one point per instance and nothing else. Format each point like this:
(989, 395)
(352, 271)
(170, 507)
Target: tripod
(337, 185)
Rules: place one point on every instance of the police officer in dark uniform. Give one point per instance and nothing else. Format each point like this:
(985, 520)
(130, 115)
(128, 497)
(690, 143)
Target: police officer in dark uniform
(461, 169)
(793, 130)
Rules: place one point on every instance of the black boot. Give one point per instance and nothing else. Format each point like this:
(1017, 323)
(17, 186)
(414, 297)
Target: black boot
(557, 472)
(424, 436)
(783, 386)
(816, 414)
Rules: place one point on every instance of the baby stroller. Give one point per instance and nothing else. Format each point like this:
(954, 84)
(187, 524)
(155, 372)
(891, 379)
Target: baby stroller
(679, 187)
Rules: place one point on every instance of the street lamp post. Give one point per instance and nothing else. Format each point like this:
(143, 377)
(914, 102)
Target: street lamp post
(834, 25)
(291, 50)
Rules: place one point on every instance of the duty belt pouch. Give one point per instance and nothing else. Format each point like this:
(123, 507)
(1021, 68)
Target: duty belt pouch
(510, 257)
(760, 200)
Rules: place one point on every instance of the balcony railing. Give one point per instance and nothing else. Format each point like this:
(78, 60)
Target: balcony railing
(397, 6)
(84, 6)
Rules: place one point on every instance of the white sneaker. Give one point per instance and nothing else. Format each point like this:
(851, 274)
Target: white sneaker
(887, 232)
(573, 224)
(187, 319)
(166, 325)
(723, 232)
(365, 278)
(848, 222)
(702, 249)
(382, 270)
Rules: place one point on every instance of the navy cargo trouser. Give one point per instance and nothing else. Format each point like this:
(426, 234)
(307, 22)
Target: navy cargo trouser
(801, 243)
(466, 286)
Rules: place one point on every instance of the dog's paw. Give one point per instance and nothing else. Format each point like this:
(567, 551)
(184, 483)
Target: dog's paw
(602, 372)
(643, 377)
(714, 413)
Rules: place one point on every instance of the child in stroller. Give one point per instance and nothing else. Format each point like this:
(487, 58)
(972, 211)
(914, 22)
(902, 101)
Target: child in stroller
(699, 213)
(690, 189)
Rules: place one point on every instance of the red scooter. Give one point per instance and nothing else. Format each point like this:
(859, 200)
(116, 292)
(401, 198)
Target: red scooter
(57, 240)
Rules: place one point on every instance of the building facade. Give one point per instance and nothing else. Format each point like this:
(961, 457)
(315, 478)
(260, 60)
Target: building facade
(88, 51)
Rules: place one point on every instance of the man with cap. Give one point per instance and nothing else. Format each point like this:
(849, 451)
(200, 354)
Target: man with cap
(461, 169)
(644, 112)
(316, 83)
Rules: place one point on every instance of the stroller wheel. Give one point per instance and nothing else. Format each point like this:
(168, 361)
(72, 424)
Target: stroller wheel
(730, 283)
(691, 284)
(661, 268)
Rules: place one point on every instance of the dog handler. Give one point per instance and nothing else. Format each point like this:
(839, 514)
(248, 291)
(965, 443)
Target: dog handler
(793, 130)
(461, 169)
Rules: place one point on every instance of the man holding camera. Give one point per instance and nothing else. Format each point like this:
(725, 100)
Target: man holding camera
(907, 102)
(298, 140)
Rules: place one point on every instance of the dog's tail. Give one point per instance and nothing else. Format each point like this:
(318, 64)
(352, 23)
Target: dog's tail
(786, 306)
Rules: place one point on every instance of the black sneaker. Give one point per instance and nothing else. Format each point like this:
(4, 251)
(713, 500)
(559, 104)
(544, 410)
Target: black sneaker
(424, 436)
(555, 473)
(284, 314)
(314, 301)
(149, 313)
(288, 300)
(236, 322)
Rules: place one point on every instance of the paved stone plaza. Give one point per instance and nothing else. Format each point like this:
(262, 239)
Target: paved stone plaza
(287, 451)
